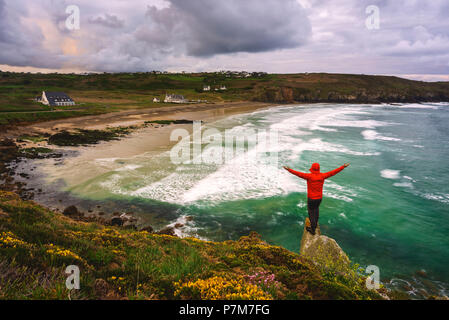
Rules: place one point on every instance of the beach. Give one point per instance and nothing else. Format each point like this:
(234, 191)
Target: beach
(150, 139)
(135, 117)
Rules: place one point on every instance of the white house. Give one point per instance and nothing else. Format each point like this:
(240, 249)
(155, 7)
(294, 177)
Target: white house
(175, 98)
(223, 87)
(206, 88)
(59, 99)
(156, 100)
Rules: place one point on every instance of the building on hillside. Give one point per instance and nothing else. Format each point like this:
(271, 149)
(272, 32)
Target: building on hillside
(223, 87)
(206, 88)
(56, 99)
(156, 100)
(175, 98)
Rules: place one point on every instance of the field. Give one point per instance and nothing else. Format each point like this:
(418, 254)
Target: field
(103, 93)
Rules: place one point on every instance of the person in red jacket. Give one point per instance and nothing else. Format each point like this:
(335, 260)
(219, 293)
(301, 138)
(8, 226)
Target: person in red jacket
(315, 181)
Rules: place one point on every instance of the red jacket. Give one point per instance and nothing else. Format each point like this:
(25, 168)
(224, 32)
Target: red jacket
(315, 180)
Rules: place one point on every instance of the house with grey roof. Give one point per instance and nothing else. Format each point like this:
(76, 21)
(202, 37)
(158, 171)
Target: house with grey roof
(56, 99)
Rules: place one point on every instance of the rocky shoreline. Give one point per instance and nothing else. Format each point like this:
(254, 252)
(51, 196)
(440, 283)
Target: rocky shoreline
(13, 152)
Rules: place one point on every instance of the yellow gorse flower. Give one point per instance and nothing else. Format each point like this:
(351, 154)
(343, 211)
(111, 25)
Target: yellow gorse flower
(220, 288)
(8, 239)
(57, 251)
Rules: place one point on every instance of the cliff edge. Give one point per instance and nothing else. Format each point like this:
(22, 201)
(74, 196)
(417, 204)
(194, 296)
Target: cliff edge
(321, 249)
(37, 245)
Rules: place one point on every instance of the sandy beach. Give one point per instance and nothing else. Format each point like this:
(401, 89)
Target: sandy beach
(204, 112)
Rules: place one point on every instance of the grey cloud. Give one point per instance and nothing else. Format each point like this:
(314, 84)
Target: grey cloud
(412, 37)
(234, 26)
(20, 44)
(321, 35)
(108, 20)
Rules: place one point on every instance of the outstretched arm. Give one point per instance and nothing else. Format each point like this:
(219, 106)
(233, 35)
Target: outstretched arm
(302, 175)
(334, 172)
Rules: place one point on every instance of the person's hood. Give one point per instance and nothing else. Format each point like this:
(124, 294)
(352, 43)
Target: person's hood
(315, 168)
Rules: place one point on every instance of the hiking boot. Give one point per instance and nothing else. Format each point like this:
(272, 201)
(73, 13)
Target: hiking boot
(310, 230)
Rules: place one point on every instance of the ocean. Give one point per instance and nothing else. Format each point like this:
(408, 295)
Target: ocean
(390, 208)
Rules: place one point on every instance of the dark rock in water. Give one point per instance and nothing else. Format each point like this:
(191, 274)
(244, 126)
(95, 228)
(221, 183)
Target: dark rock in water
(321, 249)
(101, 213)
(71, 211)
(116, 214)
(189, 218)
(118, 222)
(170, 231)
(148, 229)
(421, 273)
(179, 225)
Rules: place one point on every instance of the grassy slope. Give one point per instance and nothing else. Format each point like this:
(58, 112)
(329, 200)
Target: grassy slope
(103, 93)
(36, 245)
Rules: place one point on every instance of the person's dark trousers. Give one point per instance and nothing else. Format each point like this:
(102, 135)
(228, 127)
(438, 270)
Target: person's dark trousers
(313, 207)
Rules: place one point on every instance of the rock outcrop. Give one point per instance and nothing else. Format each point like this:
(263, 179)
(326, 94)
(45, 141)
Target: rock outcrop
(72, 211)
(322, 250)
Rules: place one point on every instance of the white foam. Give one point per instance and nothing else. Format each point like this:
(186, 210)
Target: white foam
(419, 106)
(112, 184)
(321, 146)
(338, 196)
(187, 228)
(374, 135)
(301, 205)
(390, 174)
(244, 179)
(249, 175)
(327, 119)
(404, 185)
(444, 198)
(409, 178)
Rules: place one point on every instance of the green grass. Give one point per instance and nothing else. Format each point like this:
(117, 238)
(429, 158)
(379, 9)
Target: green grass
(36, 245)
(102, 93)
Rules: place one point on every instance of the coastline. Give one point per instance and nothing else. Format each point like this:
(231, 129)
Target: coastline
(158, 132)
(136, 117)
(143, 137)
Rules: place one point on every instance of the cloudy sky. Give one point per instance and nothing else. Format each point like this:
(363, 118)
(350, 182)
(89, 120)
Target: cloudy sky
(282, 36)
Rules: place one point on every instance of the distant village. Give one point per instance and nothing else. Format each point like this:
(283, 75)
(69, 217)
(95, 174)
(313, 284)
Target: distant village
(61, 99)
(227, 74)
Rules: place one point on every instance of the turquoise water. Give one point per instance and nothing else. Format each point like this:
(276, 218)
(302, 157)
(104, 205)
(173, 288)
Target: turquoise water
(390, 208)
